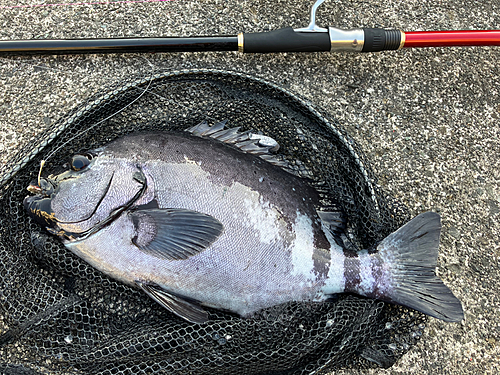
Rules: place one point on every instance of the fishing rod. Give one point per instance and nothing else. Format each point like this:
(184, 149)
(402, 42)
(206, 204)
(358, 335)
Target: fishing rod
(308, 39)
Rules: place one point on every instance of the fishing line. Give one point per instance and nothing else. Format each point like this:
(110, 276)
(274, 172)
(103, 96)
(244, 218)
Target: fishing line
(7, 60)
(33, 64)
(84, 3)
(42, 163)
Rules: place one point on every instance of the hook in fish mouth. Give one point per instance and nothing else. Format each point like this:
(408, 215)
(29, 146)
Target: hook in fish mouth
(38, 205)
(43, 188)
(35, 189)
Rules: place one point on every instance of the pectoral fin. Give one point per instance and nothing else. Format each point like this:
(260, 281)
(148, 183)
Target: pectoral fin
(174, 234)
(180, 306)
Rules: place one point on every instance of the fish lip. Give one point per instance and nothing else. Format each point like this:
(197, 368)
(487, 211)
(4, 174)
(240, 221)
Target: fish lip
(45, 188)
(31, 202)
(35, 189)
(38, 205)
(38, 208)
(28, 200)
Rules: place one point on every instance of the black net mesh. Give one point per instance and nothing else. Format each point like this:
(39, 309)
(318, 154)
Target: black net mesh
(61, 316)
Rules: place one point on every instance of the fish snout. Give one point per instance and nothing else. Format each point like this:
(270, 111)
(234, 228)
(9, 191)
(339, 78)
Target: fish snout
(39, 208)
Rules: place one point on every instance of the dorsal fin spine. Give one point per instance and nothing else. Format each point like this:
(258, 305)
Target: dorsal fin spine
(242, 140)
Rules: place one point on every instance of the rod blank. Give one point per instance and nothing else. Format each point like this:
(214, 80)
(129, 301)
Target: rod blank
(456, 38)
(118, 45)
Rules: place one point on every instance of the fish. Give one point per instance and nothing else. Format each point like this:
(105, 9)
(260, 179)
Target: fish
(211, 217)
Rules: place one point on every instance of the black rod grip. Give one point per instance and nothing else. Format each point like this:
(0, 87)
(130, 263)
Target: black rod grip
(381, 40)
(286, 40)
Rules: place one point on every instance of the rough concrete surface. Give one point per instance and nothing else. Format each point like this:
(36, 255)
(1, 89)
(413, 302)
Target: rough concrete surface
(428, 119)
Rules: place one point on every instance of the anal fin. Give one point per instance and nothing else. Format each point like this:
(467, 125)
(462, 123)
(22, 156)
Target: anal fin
(188, 310)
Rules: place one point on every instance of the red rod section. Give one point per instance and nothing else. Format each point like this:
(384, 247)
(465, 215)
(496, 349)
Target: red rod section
(452, 38)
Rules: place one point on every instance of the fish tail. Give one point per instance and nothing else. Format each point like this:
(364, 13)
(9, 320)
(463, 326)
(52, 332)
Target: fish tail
(403, 270)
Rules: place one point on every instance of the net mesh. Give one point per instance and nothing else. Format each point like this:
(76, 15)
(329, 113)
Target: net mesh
(60, 316)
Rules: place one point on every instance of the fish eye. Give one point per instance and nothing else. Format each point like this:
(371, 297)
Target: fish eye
(79, 162)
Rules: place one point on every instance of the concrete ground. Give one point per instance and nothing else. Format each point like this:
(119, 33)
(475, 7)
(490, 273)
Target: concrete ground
(429, 119)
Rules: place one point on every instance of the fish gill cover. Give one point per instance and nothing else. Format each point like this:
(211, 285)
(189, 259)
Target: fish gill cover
(64, 317)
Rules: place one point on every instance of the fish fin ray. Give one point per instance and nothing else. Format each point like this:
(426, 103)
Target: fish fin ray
(273, 160)
(199, 129)
(215, 129)
(246, 141)
(412, 253)
(227, 135)
(180, 306)
(174, 234)
(335, 222)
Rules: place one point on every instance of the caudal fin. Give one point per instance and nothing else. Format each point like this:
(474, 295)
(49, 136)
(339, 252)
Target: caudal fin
(412, 252)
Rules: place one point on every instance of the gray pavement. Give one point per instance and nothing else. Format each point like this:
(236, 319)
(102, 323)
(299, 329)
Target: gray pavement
(428, 119)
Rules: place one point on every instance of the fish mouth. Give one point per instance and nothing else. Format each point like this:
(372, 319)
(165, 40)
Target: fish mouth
(39, 207)
(35, 189)
(42, 187)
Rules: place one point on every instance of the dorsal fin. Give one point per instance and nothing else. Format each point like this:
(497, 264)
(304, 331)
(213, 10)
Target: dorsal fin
(256, 144)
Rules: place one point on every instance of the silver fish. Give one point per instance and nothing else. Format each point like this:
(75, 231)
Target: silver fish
(196, 223)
